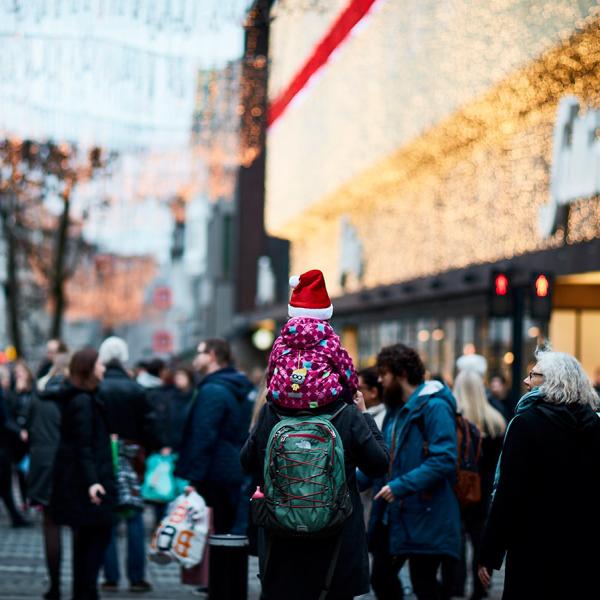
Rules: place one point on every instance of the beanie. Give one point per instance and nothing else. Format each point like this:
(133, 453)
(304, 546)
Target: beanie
(472, 362)
(113, 348)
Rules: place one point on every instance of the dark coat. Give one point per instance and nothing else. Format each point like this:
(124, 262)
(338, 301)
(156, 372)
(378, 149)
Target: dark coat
(297, 568)
(83, 458)
(18, 408)
(171, 407)
(544, 514)
(215, 430)
(44, 439)
(130, 415)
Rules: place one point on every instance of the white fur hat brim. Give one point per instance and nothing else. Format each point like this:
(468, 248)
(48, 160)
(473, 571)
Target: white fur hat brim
(314, 313)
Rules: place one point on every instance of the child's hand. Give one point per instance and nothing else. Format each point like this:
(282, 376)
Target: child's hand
(359, 401)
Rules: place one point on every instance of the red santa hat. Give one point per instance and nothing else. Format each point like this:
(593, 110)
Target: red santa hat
(309, 296)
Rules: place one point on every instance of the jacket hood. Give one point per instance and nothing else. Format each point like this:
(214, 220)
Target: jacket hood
(237, 383)
(305, 332)
(579, 418)
(427, 390)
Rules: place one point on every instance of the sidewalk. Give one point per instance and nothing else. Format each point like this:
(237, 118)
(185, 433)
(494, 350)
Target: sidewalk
(23, 571)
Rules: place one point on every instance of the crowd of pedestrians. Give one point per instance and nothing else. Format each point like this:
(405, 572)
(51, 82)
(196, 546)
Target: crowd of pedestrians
(64, 430)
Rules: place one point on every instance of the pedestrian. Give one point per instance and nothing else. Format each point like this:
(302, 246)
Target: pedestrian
(370, 387)
(8, 439)
(44, 440)
(415, 515)
(297, 569)
(83, 486)
(53, 347)
(310, 373)
(171, 403)
(131, 418)
(469, 392)
(308, 367)
(19, 403)
(215, 430)
(502, 399)
(149, 373)
(499, 398)
(543, 513)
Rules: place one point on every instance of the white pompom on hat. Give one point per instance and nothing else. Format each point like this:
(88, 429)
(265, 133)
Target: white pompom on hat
(472, 362)
(309, 296)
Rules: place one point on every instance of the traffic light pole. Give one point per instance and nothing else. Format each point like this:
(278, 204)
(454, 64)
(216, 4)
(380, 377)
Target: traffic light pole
(517, 341)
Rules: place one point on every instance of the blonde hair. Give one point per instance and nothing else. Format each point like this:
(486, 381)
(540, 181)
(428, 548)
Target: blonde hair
(260, 401)
(473, 404)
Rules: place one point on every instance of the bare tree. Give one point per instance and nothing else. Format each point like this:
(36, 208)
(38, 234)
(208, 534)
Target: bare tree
(33, 177)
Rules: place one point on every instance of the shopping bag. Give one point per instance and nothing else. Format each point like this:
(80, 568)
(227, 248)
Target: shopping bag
(181, 535)
(198, 574)
(159, 481)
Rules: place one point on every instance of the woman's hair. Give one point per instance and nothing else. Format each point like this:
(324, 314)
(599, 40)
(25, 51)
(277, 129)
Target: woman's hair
(261, 399)
(565, 381)
(28, 374)
(473, 403)
(81, 369)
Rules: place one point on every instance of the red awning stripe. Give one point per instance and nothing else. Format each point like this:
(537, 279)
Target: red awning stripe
(338, 32)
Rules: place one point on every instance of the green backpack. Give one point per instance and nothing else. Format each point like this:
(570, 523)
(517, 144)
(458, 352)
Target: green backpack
(305, 491)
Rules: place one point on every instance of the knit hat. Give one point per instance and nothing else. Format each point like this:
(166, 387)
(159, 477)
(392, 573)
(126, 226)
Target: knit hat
(309, 296)
(472, 362)
(113, 348)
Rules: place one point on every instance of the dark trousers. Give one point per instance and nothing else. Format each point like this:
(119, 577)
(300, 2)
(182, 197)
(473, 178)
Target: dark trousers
(6, 488)
(223, 499)
(89, 547)
(384, 575)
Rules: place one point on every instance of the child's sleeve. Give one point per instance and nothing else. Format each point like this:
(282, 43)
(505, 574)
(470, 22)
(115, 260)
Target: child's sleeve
(348, 374)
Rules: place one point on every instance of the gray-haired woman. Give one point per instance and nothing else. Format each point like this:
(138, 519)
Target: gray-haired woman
(544, 511)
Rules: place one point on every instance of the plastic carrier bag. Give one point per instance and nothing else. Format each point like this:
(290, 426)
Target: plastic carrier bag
(181, 535)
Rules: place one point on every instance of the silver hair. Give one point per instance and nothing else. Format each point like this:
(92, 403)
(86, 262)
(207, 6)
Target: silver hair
(565, 381)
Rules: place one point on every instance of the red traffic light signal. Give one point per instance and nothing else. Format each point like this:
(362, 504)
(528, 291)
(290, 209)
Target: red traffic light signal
(541, 295)
(501, 284)
(501, 294)
(542, 286)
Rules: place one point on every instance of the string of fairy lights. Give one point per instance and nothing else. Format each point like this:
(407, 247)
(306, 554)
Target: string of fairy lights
(441, 157)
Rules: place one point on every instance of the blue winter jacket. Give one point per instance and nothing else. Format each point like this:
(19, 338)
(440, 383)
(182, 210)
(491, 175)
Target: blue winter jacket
(424, 518)
(216, 429)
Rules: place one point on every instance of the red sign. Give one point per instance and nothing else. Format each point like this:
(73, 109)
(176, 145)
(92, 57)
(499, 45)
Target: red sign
(162, 298)
(162, 342)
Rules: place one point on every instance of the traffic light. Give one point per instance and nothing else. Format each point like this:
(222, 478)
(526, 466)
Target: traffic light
(501, 294)
(540, 288)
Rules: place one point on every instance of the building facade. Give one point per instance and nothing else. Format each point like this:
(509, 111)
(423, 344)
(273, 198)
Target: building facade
(414, 148)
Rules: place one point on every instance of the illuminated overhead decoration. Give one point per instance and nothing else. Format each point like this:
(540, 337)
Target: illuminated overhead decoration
(435, 173)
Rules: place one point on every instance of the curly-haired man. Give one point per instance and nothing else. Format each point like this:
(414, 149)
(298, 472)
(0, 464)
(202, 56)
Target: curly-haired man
(415, 514)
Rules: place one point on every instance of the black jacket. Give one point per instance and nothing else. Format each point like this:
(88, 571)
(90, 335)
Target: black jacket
(215, 430)
(129, 413)
(44, 439)
(83, 458)
(171, 407)
(544, 515)
(297, 568)
(18, 408)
